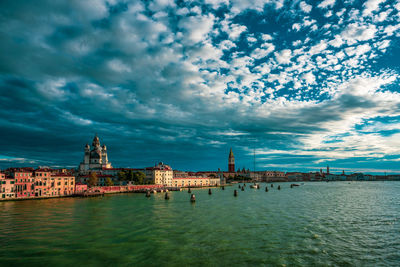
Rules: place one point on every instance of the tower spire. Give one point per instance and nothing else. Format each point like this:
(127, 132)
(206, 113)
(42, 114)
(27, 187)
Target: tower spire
(231, 162)
(96, 141)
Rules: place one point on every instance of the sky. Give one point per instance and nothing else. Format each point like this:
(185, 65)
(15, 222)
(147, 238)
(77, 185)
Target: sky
(299, 84)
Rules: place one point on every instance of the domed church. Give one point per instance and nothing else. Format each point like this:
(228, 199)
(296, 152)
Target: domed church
(95, 158)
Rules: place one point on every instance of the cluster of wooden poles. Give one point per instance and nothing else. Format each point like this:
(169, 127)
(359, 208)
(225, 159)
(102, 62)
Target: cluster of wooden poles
(235, 192)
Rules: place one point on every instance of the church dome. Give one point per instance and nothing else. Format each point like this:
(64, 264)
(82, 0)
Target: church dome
(95, 154)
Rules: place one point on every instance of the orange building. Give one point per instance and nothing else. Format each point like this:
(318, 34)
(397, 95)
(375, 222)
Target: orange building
(49, 184)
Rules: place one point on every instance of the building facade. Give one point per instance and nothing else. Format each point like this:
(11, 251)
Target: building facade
(24, 183)
(95, 157)
(6, 187)
(190, 181)
(160, 174)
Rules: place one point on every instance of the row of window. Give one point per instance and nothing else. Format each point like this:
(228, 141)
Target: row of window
(22, 174)
(4, 189)
(4, 182)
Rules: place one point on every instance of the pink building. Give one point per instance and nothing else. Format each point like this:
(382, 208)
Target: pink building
(80, 188)
(24, 184)
(6, 187)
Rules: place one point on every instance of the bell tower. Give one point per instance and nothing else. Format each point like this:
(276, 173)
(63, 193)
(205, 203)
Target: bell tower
(231, 162)
(87, 154)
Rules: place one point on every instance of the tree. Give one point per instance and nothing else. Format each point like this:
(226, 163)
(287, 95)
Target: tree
(122, 176)
(109, 182)
(93, 179)
(139, 177)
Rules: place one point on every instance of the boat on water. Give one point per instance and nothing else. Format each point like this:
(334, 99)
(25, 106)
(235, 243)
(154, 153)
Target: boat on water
(254, 186)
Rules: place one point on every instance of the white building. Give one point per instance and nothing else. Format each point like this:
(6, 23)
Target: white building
(95, 158)
(160, 174)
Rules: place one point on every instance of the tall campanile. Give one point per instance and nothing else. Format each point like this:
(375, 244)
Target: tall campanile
(231, 162)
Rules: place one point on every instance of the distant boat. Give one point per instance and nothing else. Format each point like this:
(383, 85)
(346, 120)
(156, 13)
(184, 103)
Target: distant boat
(254, 186)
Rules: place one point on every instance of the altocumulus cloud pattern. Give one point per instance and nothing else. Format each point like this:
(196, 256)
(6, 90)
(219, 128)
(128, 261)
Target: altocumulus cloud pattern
(307, 83)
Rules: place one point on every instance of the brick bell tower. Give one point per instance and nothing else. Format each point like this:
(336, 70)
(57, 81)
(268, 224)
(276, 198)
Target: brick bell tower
(231, 162)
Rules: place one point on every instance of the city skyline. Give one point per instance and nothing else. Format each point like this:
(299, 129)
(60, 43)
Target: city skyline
(305, 83)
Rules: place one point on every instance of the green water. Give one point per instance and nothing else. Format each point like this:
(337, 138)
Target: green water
(317, 224)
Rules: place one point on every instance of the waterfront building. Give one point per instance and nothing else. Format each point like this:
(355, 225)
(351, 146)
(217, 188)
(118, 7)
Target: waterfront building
(48, 184)
(80, 188)
(213, 181)
(160, 174)
(95, 157)
(334, 177)
(191, 181)
(6, 186)
(264, 176)
(24, 183)
(295, 176)
(315, 176)
(198, 178)
(358, 177)
(62, 184)
(42, 183)
(394, 177)
(231, 162)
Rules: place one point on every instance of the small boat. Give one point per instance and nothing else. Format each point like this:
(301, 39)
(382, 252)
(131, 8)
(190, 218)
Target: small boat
(254, 186)
(294, 185)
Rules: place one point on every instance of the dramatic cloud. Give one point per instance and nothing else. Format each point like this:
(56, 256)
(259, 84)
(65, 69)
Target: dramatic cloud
(327, 3)
(307, 83)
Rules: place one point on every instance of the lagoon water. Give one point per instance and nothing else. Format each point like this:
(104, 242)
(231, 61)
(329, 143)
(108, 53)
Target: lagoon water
(318, 224)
